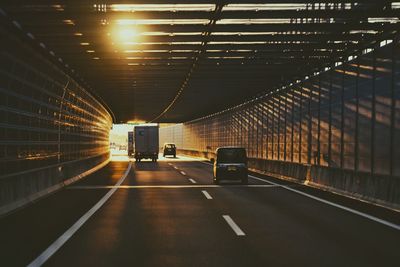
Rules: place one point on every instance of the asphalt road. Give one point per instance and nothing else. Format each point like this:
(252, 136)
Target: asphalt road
(169, 213)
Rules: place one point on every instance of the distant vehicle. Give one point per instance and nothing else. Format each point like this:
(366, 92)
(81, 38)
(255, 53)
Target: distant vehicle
(230, 164)
(130, 143)
(169, 149)
(146, 143)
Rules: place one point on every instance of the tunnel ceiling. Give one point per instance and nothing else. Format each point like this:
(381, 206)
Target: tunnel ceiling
(173, 61)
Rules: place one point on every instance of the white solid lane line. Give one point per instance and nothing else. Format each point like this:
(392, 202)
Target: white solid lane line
(206, 194)
(262, 180)
(183, 173)
(206, 163)
(193, 181)
(359, 213)
(42, 258)
(233, 225)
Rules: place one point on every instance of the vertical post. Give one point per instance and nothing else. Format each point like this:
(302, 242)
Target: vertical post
(342, 121)
(330, 121)
(253, 131)
(257, 119)
(309, 134)
(204, 136)
(393, 106)
(236, 127)
(279, 128)
(356, 134)
(268, 130)
(233, 128)
(244, 127)
(292, 131)
(319, 123)
(255, 142)
(273, 128)
(373, 112)
(239, 128)
(262, 130)
(300, 123)
(249, 130)
(285, 130)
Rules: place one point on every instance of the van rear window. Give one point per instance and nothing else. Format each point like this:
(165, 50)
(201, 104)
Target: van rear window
(231, 155)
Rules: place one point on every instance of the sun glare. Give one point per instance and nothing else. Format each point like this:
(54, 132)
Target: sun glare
(127, 34)
(123, 34)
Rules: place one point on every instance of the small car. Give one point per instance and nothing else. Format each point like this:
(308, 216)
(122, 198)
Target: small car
(169, 149)
(230, 164)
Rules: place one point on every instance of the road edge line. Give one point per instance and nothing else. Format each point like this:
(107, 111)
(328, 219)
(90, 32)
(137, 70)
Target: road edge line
(359, 213)
(56, 245)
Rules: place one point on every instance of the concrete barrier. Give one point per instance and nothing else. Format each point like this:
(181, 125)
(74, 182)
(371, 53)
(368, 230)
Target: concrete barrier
(22, 189)
(282, 169)
(198, 154)
(379, 189)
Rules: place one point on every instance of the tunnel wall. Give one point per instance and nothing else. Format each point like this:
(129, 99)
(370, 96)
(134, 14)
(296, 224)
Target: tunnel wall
(52, 131)
(338, 130)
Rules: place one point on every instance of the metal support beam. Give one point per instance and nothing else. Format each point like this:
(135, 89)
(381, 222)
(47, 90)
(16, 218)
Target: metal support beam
(215, 17)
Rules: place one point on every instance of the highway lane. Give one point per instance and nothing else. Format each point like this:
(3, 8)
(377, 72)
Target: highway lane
(25, 233)
(147, 222)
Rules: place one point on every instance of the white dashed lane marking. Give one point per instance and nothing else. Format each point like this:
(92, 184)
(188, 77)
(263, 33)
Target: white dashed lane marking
(233, 225)
(206, 194)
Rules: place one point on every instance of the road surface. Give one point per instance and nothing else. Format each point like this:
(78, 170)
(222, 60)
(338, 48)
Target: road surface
(170, 213)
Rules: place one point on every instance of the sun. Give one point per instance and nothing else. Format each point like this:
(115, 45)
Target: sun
(126, 35)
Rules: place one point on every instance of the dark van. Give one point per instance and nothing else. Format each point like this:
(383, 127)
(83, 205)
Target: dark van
(230, 164)
(169, 149)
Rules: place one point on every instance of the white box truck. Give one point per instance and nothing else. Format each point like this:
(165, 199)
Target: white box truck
(146, 142)
(130, 143)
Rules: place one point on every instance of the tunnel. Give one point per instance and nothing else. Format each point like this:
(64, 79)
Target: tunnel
(310, 90)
